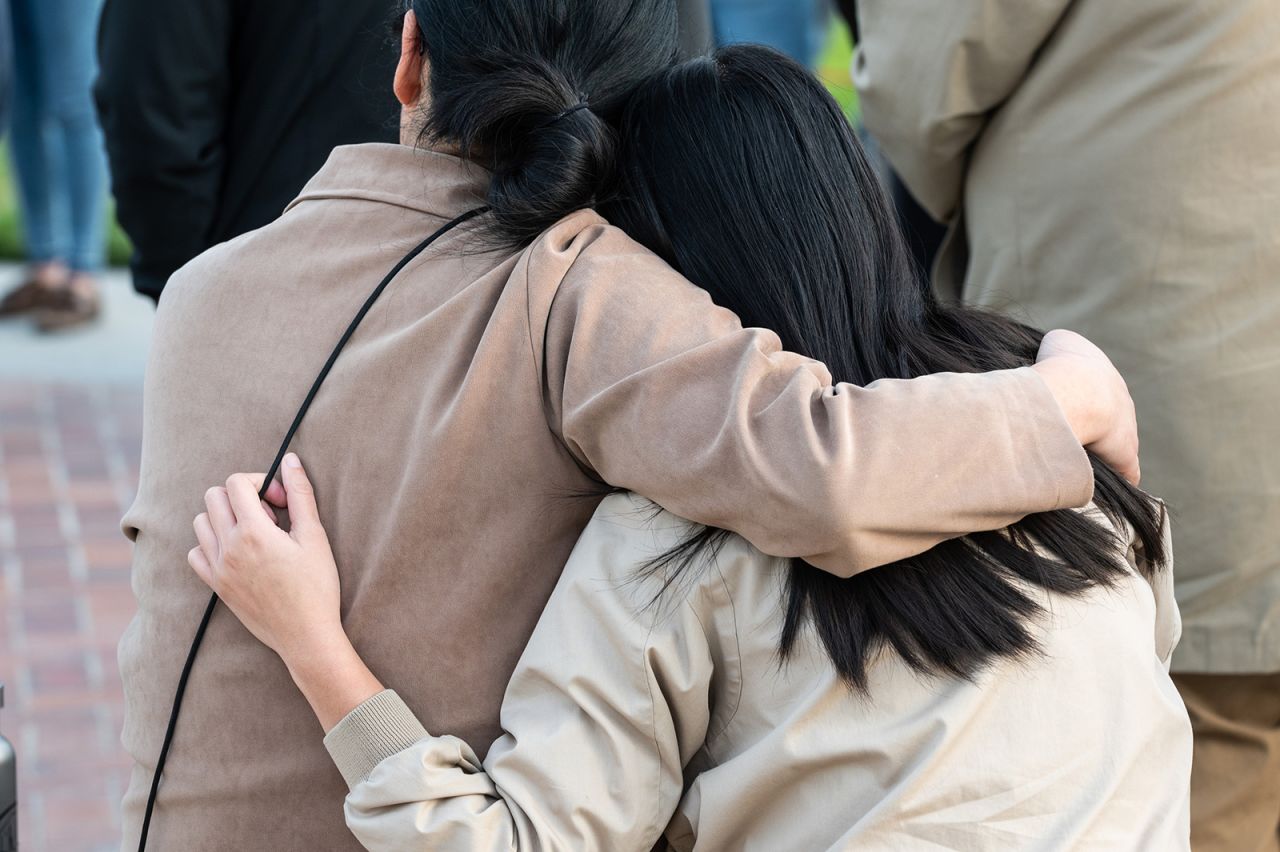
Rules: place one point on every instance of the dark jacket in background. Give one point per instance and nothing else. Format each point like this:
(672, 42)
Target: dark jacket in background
(217, 112)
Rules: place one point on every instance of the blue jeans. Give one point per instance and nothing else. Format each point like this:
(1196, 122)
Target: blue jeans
(57, 146)
(798, 28)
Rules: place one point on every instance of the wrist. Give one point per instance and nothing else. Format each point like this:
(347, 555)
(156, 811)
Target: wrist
(311, 656)
(333, 678)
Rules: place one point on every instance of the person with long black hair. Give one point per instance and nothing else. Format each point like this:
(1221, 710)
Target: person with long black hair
(1004, 690)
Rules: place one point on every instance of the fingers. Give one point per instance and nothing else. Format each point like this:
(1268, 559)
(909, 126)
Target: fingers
(271, 499)
(1124, 460)
(275, 491)
(206, 536)
(1061, 341)
(1133, 470)
(275, 494)
(200, 564)
(304, 517)
(243, 494)
(221, 516)
(238, 505)
(1134, 474)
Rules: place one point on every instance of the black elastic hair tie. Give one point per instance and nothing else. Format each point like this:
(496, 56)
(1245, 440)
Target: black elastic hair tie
(581, 105)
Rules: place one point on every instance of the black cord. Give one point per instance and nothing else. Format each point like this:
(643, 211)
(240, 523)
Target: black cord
(271, 473)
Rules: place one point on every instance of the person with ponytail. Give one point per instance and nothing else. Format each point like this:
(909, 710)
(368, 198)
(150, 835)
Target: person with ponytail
(532, 356)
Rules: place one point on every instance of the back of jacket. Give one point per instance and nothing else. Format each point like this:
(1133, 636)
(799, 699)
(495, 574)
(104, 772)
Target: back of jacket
(217, 112)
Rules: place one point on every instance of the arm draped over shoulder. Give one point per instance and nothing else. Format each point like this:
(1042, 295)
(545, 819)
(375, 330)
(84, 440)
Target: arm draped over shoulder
(662, 393)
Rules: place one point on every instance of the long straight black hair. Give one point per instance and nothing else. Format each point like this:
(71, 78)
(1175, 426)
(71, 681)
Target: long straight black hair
(742, 172)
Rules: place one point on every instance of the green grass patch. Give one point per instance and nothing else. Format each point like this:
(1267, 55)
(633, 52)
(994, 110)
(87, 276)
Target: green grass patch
(834, 66)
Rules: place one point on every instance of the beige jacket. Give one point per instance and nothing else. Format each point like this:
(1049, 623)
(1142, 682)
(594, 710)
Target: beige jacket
(1116, 167)
(452, 445)
(625, 723)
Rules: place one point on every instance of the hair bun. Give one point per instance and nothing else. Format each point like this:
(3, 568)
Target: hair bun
(564, 162)
(508, 80)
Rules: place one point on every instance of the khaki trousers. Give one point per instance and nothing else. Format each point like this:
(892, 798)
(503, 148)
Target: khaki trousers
(1235, 780)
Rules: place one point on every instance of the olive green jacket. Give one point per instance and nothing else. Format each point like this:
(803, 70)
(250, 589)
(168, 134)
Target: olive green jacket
(1114, 168)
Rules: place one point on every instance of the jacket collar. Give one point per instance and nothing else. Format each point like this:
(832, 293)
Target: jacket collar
(429, 182)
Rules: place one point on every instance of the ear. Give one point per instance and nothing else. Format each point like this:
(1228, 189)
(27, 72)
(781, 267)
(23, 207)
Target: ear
(408, 84)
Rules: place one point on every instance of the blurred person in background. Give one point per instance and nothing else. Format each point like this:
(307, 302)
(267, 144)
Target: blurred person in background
(217, 112)
(924, 234)
(58, 159)
(1115, 168)
(798, 28)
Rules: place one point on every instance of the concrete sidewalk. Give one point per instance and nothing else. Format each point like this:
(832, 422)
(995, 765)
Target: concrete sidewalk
(70, 438)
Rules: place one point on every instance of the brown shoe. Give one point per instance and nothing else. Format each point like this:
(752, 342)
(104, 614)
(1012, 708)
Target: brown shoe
(42, 289)
(77, 304)
(30, 296)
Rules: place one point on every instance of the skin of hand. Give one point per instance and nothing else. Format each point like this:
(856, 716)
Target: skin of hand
(283, 586)
(1094, 397)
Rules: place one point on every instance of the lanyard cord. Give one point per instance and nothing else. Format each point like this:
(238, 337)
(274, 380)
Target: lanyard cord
(271, 472)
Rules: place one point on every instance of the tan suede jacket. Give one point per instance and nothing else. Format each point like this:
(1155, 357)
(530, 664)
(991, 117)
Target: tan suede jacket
(459, 448)
(627, 723)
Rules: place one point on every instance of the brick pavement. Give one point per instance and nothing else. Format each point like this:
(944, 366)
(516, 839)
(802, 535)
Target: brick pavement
(68, 469)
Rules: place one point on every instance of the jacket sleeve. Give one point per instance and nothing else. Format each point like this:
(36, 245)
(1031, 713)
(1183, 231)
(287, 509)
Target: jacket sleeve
(929, 73)
(662, 393)
(162, 99)
(606, 706)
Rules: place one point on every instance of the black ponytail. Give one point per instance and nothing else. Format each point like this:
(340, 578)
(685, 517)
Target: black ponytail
(531, 89)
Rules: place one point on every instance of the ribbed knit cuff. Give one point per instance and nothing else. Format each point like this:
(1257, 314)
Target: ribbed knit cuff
(380, 727)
